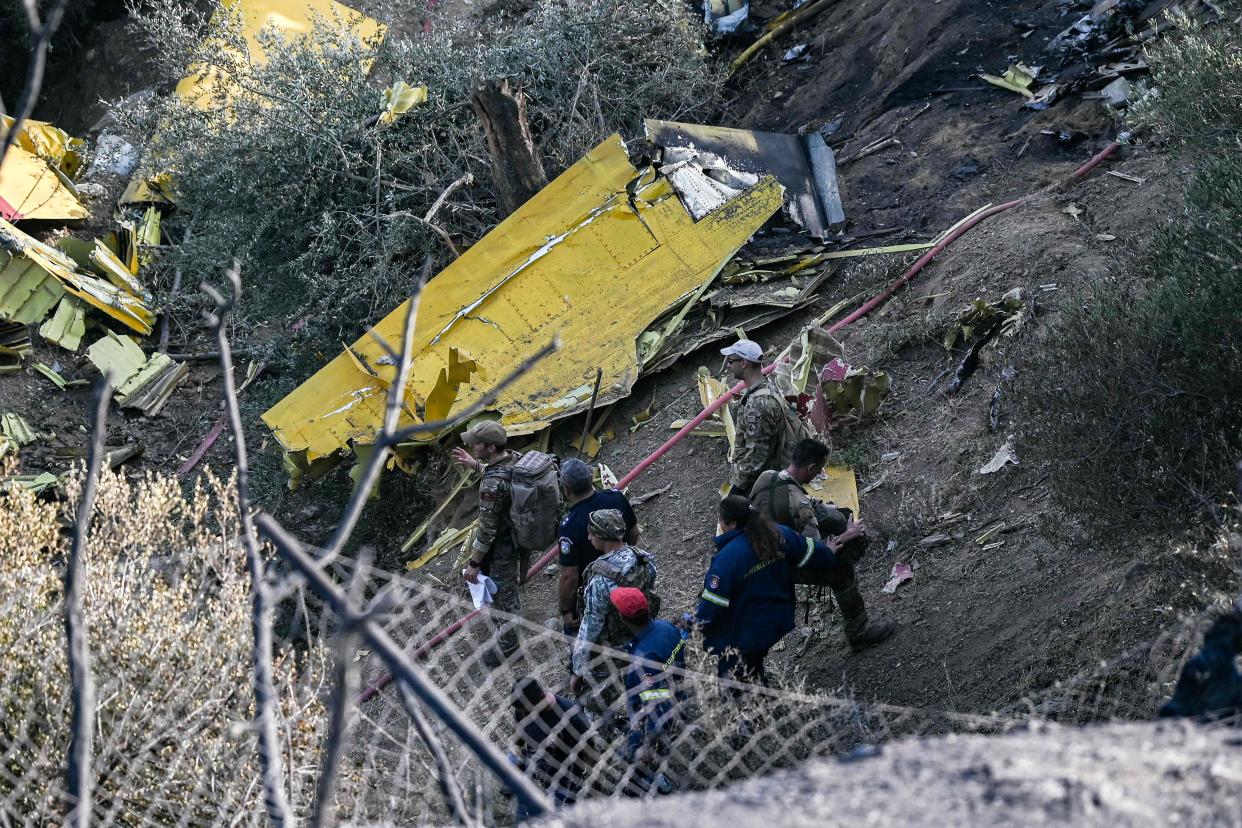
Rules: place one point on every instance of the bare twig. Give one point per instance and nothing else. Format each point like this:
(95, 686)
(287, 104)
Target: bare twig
(392, 415)
(437, 229)
(42, 32)
(78, 776)
(445, 778)
(166, 319)
(346, 675)
(465, 181)
(403, 667)
(276, 797)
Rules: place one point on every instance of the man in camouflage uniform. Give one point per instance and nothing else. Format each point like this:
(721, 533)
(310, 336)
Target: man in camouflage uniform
(495, 552)
(619, 565)
(761, 418)
(780, 496)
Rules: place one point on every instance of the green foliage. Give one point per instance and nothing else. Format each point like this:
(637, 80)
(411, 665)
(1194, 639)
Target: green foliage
(1147, 406)
(326, 212)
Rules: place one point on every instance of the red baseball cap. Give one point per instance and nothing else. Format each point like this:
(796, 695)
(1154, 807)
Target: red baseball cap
(631, 603)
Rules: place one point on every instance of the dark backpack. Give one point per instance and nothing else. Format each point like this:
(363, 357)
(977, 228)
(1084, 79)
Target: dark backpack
(534, 499)
(794, 427)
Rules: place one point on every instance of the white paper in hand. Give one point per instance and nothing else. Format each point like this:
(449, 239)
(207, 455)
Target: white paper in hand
(482, 591)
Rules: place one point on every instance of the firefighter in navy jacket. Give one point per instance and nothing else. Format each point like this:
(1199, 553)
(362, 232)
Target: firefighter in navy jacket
(748, 602)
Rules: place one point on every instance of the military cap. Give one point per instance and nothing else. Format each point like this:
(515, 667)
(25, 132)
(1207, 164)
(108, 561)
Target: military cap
(485, 431)
(606, 524)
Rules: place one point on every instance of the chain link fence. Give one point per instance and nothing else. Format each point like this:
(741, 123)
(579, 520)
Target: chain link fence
(175, 731)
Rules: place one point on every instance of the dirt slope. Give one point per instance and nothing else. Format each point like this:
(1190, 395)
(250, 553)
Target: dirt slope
(1171, 774)
(979, 629)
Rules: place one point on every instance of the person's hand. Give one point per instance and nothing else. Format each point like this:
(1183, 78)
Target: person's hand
(575, 685)
(855, 529)
(472, 573)
(464, 458)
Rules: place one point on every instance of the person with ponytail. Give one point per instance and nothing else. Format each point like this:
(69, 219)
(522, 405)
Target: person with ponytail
(747, 604)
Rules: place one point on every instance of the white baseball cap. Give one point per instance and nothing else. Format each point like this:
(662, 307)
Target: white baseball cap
(745, 348)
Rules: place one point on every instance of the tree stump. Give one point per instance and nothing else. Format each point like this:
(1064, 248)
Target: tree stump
(516, 167)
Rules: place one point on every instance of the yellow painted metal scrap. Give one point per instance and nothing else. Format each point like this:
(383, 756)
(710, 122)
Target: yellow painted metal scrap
(596, 256)
(293, 19)
(31, 257)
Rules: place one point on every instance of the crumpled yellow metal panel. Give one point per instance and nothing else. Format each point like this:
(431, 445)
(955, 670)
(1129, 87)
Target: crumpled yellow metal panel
(293, 18)
(31, 189)
(595, 257)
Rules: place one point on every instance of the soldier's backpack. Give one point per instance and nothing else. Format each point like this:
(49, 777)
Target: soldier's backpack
(641, 576)
(535, 501)
(795, 428)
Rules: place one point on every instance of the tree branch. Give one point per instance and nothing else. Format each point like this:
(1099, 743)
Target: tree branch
(392, 415)
(276, 799)
(404, 669)
(445, 779)
(78, 772)
(34, 68)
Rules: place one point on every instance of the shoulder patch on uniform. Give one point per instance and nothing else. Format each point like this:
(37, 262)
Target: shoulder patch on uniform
(566, 545)
(713, 582)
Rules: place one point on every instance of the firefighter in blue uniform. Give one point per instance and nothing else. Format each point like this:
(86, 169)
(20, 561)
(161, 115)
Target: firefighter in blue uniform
(650, 691)
(748, 602)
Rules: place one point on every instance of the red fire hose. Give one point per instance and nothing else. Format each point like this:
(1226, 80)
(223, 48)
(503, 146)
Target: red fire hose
(870, 305)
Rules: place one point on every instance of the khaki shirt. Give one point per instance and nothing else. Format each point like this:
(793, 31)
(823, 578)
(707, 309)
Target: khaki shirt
(782, 499)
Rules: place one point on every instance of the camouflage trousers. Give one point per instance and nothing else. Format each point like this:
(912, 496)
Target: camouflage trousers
(505, 568)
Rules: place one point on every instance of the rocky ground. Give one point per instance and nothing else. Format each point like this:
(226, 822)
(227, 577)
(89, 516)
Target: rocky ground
(1119, 775)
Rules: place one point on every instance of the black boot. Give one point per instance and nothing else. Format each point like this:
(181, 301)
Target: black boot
(871, 634)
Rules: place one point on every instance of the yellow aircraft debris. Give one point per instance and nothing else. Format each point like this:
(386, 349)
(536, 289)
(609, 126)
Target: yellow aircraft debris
(205, 88)
(30, 262)
(596, 256)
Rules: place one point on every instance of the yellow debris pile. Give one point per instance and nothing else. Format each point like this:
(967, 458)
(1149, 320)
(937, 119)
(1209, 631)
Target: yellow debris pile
(34, 276)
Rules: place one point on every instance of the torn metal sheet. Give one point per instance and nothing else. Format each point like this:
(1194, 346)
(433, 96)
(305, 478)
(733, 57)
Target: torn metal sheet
(703, 181)
(35, 483)
(67, 325)
(35, 174)
(17, 429)
(596, 257)
(803, 164)
(1017, 78)
(27, 292)
(57, 380)
(24, 251)
(14, 346)
(725, 16)
(205, 88)
(31, 189)
(55, 146)
(142, 382)
(837, 485)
